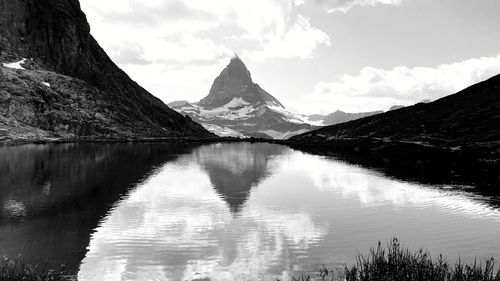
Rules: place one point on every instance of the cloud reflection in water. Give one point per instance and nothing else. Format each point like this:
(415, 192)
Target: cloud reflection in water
(298, 211)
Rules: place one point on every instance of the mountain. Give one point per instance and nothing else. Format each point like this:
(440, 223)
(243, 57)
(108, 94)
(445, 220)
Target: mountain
(340, 117)
(236, 106)
(316, 117)
(235, 81)
(463, 122)
(56, 81)
(396, 107)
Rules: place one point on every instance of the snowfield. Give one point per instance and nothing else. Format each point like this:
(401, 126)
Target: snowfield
(242, 111)
(283, 135)
(294, 117)
(223, 131)
(236, 102)
(236, 109)
(15, 65)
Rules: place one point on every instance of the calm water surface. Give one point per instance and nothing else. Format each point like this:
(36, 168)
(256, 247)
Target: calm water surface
(221, 211)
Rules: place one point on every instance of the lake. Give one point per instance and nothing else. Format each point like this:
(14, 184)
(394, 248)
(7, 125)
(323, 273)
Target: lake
(237, 211)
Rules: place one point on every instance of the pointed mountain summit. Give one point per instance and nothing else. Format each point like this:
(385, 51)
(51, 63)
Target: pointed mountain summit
(236, 106)
(57, 82)
(235, 81)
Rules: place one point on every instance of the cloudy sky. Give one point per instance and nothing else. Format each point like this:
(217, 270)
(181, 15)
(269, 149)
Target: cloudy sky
(315, 56)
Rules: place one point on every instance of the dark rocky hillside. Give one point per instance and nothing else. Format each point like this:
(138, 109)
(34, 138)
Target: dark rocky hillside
(465, 122)
(65, 84)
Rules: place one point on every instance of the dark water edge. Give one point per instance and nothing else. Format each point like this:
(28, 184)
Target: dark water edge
(16, 141)
(88, 170)
(418, 164)
(476, 166)
(97, 178)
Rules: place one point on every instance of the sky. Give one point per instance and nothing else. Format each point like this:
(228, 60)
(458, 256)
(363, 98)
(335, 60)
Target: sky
(314, 56)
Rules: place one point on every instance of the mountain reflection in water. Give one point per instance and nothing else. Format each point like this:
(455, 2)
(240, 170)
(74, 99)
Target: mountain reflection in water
(233, 170)
(221, 211)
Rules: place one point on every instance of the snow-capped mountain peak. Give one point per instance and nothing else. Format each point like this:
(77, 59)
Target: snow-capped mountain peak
(235, 81)
(236, 104)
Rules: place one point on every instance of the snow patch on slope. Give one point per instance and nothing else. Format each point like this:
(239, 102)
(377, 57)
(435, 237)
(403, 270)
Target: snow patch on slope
(293, 117)
(236, 109)
(270, 103)
(233, 118)
(235, 103)
(283, 135)
(305, 119)
(223, 131)
(15, 65)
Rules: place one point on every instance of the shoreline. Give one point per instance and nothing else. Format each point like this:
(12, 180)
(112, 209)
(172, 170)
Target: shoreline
(488, 151)
(476, 165)
(18, 142)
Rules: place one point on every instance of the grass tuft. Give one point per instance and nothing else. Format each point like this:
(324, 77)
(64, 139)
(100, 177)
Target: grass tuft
(396, 263)
(16, 269)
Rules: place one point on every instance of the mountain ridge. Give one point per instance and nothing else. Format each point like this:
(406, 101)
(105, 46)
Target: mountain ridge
(339, 116)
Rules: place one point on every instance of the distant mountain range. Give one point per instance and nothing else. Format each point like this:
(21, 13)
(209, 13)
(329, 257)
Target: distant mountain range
(57, 82)
(466, 121)
(236, 106)
(340, 117)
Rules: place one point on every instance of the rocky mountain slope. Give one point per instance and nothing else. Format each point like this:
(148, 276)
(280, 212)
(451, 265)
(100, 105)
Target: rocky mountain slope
(465, 121)
(236, 106)
(56, 81)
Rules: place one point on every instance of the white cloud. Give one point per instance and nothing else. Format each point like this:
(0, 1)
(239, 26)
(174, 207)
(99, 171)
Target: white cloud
(165, 45)
(298, 42)
(375, 89)
(182, 82)
(268, 25)
(345, 5)
(187, 49)
(183, 50)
